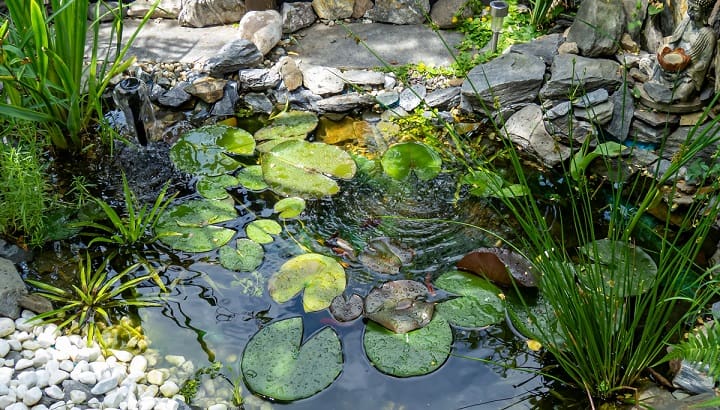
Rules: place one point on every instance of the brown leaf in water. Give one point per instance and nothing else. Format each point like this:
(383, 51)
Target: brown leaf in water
(500, 265)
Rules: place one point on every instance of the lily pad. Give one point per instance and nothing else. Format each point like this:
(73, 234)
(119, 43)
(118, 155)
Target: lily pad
(400, 159)
(581, 160)
(215, 187)
(276, 365)
(246, 256)
(535, 319)
(306, 169)
(416, 353)
(485, 183)
(479, 304)
(289, 208)
(385, 255)
(289, 124)
(501, 266)
(260, 230)
(399, 306)
(189, 226)
(346, 309)
(626, 270)
(203, 151)
(251, 178)
(320, 276)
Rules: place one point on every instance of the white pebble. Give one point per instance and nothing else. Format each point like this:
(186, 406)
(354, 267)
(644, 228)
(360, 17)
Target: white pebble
(175, 360)
(31, 344)
(28, 378)
(155, 377)
(122, 355)
(6, 374)
(17, 406)
(23, 364)
(7, 326)
(23, 324)
(58, 377)
(54, 392)
(15, 345)
(146, 403)
(138, 364)
(115, 397)
(169, 388)
(166, 404)
(67, 365)
(78, 396)
(105, 385)
(219, 406)
(87, 377)
(4, 347)
(32, 396)
(7, 400)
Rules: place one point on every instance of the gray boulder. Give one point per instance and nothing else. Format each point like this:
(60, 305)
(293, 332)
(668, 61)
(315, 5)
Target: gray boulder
(444, 12)
(296, 16)
(399, 11)
(203, 13)
(263, 28)
(258, 79)
(598, 27)
(226, 105)
(322, 80)
(237, 54)
(12, 288)
(623, 111)
(509, 79)
(571, 72)
(333, 9)
(527, 129)
(544, 47)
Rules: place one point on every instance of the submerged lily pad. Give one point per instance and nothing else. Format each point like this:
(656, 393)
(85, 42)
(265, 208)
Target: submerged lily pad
(276, 365)
(320, 276)
(399, 306)
(260, 230)
(385, 255)
(626, 270)
(306, 169)
(246, 256)
(203, 151)
(289, 208)
(215, 187)
(251, 178)
(416, 353)
(501, 266)
(479, 304)
(346, 309)
(289, 124)
(189, 226)
(535, 319)
(400, 159)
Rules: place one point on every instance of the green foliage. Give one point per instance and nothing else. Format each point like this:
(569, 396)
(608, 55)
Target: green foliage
(24, 191)
(135, 227)
(190, 387)
(96, 298)
(700, 171)
(43, 71)
(702, 349)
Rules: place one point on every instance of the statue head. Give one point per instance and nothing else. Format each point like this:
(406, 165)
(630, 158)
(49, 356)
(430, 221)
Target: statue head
(699, 8)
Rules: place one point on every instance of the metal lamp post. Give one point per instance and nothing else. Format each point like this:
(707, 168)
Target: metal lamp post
(498, 11)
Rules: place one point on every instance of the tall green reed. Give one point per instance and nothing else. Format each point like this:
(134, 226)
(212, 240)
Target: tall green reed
(43, 70)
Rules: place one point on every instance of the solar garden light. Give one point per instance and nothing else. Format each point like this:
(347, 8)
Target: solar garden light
(498, 11)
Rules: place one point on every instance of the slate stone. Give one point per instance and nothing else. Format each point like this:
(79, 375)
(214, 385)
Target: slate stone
(35, 303)
(572, 132)
(226, 105)
(399, 11)
(657, 119)
(678, 139)
(598, 27)
(12, 287)
(233, 56)
(444, 12)
(296, 16)
(363, 77)
(388, 99)
(344, 102)
(623, 111)
(592, 98)
(443, 98)
(558, 110)
(509, 79)
(575, 72)
(299, 99)
(411, 97)
(258, 103)
(258, 79)
(693, 379)
(544, 47)
(527, 129)
(641, 132)
(598, 114)
(176, 96)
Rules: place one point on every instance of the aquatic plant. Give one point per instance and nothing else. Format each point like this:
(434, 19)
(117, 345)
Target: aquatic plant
(94, 300)
(42, 65)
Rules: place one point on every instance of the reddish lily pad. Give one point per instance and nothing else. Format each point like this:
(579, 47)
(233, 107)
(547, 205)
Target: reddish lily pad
(399, 306)
(501, 266)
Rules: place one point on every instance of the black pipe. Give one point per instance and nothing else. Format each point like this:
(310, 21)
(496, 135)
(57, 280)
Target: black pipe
(131, 91)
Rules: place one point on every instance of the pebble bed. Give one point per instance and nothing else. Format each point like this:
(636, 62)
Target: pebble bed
(42, 369)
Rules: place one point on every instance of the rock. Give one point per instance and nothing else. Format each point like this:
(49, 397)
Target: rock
(544, 47)
(657, 119)
(398, 11)
(692, 379)
(166, 9)
(32, 396)
(509, 79)
(678, 139)
(156, 377)
(258, 79)
(333, 9)
(322, 80)
(203, 13)
(105, 11)
(623, 111)
(443, 98)
(226, 105)
(299, 99)
(7, 326)
(526, 128)
(291, 75)
(635, 13)
(296, 16)
(208, 89)
(360, 7)
(4, 348)
(642, 132)
(363, 77)
(260, 5)
(598, 114)
(12, 288)
(592, 98)
(597, 27)
(447, 13)
(568, 47)
(54, 392)
(652, 37)
(237, 54)
(410, 98)
(344, 102)
(169, 388)
(176, 96)
(576, 72)
(263, 28)
(105, 385)
(388, 99)
(35, 302)
(258, 103)
(558, 110)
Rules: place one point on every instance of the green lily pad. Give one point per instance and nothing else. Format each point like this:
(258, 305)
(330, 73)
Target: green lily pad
(251, 178)
(400, 159)
(485, 183)
(275, 364)
(203, 151)
(479, 304)
(535, 319)
(320, 276)
(189, 226)
(416, 353)
(260, 230)
(215, 187)
(581, 160)
(290, 124)
(289, 208)
(305, 169)
(626, 270)
(246, 256)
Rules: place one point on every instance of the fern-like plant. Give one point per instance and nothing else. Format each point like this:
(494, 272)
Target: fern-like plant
(701, 349)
